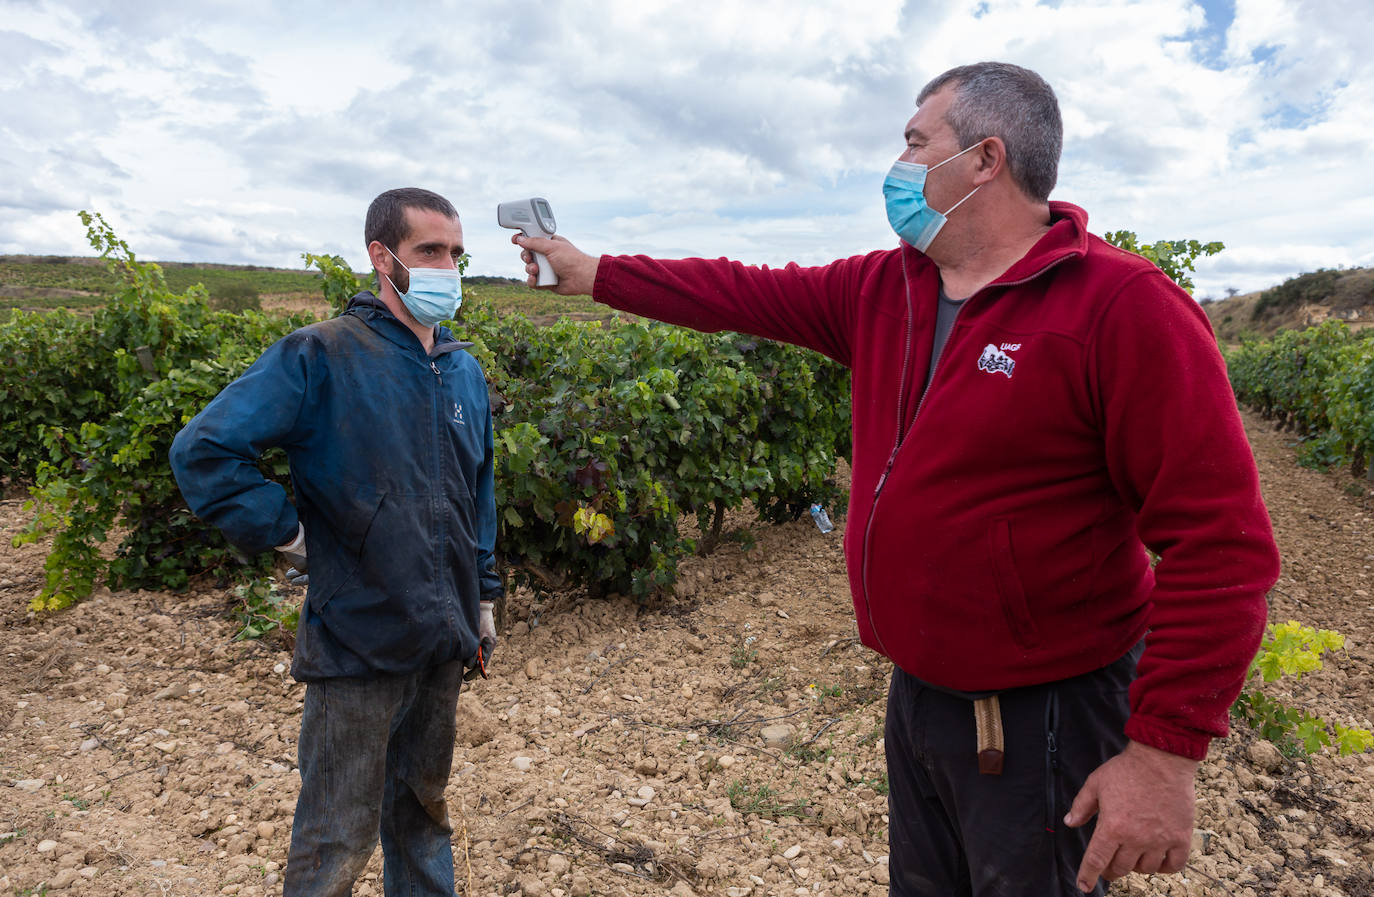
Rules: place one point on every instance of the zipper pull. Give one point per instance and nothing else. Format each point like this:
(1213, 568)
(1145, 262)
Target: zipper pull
(435, 368)
(886, 470)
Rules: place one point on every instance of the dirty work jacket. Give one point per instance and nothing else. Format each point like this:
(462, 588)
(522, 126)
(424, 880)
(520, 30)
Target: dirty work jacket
(999, 517)
(391, 466)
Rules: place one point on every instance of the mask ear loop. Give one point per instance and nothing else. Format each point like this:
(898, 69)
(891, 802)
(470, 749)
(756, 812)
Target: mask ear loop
(961, 202)
(951, 209)
(399, 262)
(950, 159)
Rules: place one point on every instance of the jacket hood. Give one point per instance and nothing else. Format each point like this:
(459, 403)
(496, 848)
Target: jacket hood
(367, 306)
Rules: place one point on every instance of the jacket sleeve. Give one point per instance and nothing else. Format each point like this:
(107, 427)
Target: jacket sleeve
(811, 307)
(214, 457)
(489, 581)
(1177, 453)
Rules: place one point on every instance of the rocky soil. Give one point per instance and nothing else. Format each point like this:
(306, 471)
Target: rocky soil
(727, 740)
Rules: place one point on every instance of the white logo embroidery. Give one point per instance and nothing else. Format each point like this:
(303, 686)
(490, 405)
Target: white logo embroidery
(995, 360)
(458, 415)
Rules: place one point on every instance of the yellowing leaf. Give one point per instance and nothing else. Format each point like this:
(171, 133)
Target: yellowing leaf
(594, 525)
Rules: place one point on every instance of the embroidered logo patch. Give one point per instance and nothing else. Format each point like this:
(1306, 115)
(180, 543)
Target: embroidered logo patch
(458, 415)
(997, 361)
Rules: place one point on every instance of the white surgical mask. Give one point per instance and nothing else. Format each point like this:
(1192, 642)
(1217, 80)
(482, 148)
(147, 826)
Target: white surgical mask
(434, 295)
(907, 211)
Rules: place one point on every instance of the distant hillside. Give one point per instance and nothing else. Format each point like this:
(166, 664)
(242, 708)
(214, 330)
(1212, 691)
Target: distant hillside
(55, 281)
(1346, 294)
(81, 283)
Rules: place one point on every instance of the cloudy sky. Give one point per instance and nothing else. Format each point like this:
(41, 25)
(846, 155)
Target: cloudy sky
(251, 131)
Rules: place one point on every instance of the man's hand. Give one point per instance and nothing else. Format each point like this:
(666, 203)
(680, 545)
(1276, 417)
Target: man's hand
(294, 552)
(486, 640)
(1143, 798)
(575, 269)
(486, 626)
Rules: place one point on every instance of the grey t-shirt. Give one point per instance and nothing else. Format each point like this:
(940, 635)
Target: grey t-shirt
(944, 322)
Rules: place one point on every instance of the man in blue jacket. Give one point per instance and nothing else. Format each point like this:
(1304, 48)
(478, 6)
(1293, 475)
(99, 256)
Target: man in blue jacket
(388, 430)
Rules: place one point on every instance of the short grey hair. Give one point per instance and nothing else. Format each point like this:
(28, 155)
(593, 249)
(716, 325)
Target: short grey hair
(998, 99)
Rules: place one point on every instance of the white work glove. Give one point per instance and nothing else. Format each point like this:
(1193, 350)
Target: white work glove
(486, 623)
(486, 639)
(294, 552)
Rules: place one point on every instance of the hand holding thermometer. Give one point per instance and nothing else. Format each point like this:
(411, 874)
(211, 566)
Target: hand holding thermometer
(533, 218)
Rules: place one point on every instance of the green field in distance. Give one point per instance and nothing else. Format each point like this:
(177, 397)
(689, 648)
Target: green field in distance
(75, 282)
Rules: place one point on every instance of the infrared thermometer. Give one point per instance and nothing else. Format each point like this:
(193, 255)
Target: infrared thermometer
(533, 218)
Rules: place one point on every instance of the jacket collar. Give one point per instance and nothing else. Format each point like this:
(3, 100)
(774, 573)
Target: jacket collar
(1067, 239)
(369, 308)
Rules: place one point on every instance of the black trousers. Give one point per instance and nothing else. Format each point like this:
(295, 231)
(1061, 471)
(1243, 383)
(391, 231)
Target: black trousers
(955, 833)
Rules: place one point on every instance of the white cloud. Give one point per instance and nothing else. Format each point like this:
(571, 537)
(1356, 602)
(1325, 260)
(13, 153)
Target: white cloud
(253, 132)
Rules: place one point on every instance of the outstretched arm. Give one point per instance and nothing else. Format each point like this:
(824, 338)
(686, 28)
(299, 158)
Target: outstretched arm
(814, 307)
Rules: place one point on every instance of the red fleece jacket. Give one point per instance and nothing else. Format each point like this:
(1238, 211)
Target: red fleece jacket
(998, 523)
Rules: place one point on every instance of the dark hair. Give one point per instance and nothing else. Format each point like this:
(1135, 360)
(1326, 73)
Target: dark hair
(386, 217)
(998, 99)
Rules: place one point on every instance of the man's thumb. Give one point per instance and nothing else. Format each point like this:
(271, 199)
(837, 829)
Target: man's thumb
(1084, 805)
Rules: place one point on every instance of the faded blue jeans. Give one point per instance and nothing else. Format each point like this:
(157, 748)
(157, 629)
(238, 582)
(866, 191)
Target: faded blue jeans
(375, 756)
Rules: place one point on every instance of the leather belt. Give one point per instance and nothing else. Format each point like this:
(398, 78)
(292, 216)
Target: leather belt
(987, 713)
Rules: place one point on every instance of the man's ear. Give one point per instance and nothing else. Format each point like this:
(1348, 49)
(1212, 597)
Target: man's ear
(380, 258)
(990, 160)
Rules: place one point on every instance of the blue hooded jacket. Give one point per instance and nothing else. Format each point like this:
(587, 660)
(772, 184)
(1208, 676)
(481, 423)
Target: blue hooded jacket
(391, 464)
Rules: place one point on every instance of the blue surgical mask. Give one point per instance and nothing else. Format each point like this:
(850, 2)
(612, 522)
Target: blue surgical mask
(907, 211)
(434, 294)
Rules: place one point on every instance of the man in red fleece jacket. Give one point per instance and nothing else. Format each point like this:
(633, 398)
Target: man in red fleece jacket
(1033, 409)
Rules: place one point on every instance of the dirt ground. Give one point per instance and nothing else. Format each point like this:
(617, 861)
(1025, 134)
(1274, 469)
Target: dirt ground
(725, 741)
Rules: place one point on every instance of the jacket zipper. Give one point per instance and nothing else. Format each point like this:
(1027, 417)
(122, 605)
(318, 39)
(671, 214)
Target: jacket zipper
(892, 455)
(901, 433)
(438, 426)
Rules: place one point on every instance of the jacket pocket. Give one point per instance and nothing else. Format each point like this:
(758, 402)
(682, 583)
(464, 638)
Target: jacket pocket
(1010, 590)
(337, 568)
